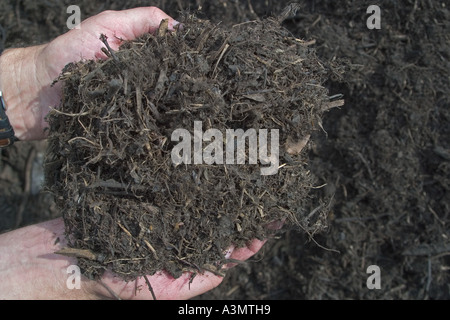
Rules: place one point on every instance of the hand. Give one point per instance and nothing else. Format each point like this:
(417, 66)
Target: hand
(165, 287)
(26, 74)
(28, 266)
(30, 269)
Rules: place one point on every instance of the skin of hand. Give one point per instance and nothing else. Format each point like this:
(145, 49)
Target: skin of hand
(26, 74)
(30, 269)
(28, 265)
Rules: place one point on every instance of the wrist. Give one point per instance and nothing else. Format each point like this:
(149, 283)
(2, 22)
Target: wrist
(23, 91)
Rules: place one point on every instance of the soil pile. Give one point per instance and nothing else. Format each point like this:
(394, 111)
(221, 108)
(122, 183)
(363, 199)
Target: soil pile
(127, 203)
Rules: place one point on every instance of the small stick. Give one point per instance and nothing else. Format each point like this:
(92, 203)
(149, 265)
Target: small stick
(70, 114)
(150, 287)
(221, 56)
(125, 230)
(151, 249)
(84, 139)
(78, 253)
(104, 39)
(333, 104)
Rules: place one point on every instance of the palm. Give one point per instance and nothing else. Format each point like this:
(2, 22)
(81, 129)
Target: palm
(166, 287)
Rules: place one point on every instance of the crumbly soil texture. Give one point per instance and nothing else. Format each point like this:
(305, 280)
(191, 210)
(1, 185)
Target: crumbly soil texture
(128, 205)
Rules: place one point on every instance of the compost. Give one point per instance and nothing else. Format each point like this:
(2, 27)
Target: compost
(134, 197)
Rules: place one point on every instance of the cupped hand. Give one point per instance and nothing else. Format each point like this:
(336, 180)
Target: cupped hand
(27, 74)
(30, 268)
(26, 78)
(164, 286)
(85, 43)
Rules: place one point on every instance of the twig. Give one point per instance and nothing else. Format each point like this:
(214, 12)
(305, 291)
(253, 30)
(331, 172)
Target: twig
(151, 249)
(84, 139)
(104, 39)
(294, 219)
(252, 11)
(332, 104)
(124, 230)
(70, 114)
(78, 253)
(150, 287)
(225, 48)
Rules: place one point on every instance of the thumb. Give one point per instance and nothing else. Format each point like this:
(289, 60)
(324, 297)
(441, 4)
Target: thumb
(132, 23)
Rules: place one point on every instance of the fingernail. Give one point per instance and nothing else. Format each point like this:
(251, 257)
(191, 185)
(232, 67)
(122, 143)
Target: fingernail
(177, 25)
(228, 252)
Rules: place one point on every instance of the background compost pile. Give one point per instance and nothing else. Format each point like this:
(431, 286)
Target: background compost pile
(110, 147)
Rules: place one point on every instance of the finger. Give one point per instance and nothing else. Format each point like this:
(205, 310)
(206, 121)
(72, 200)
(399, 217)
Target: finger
(184, 287)
(117, 26)
(129, 24)
(276, 224)
(252, 247)
(244, 253)
(162, 285)
(166, 287)
(146, 20)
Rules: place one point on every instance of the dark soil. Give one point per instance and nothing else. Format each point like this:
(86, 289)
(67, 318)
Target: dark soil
(110, 162)
(385, 159)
